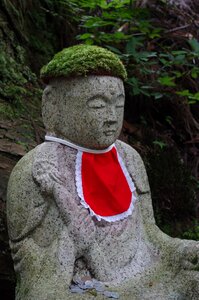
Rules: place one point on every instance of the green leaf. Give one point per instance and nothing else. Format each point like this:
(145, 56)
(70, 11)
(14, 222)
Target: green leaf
(191, 101)
(85, 36)
(167, 80)
(103, 4)
(169, 119)
(89, 42)
(183, 93)
(135, 86)
(157, 95)
(179, 58)
(113, 49)
(95, 22)
(195, 72)
(192, 98)
(155, 33)
(160, 144)
(194, 45)
(196, 96)
(120, 35)
(133, 44)
(179, 52)
(177, 74)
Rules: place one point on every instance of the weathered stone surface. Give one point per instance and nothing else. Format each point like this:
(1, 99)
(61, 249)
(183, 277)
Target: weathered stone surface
(17, 136)
(54, 239)
(92, 122)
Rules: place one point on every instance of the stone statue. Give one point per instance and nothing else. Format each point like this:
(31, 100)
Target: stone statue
(56, 237)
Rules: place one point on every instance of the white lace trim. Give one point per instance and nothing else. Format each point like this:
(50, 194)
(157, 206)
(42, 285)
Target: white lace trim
(79, 148)
(78, 177)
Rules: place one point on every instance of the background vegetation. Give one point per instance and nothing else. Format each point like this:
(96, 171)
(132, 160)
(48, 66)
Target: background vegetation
(158, 43)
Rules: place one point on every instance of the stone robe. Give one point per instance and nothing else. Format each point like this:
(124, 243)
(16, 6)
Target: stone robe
(53, 238)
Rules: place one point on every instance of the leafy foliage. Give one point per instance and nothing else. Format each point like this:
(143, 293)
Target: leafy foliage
(129, 31)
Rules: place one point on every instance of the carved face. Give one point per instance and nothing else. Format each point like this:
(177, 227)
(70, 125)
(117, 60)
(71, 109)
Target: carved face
(90, 110)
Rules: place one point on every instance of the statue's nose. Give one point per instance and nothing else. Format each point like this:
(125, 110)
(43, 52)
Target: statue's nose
(111, 115)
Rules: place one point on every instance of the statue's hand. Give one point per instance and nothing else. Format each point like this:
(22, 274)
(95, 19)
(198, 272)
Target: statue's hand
(81, 227)
(186, 255)
(190, 255)
(179, 253)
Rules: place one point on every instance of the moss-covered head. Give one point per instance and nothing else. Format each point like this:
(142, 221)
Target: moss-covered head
(83, 60)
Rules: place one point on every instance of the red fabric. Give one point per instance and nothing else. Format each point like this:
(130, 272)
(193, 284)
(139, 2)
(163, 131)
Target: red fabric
(104, 184)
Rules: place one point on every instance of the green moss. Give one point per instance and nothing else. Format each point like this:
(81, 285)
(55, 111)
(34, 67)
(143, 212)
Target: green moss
(6, 111)
(83, 60)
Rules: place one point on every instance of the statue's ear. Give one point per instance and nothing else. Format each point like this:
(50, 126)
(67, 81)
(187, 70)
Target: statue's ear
(49, 108)
(48, 93)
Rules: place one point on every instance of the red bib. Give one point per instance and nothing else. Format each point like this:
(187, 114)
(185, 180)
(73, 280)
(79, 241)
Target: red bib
(104, 185)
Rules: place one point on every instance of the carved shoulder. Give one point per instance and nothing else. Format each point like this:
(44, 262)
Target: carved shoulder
(134, 165)
(25, 205)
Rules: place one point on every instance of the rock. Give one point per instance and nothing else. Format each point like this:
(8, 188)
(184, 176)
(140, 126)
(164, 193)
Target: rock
(99, 286)
(109, 294)
(89, 284)
(11, 147)
(76, 289)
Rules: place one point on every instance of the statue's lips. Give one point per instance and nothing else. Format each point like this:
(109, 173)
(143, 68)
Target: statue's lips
(109, 132)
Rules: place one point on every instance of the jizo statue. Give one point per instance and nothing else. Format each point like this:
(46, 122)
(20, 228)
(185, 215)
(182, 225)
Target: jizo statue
(80, 216)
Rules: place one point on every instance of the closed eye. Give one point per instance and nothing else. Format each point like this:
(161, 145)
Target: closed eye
(96, 103)
(120, 101)
(120, 104)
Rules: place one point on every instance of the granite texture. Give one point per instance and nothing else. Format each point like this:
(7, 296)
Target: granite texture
(87, 111)
(52, 236)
